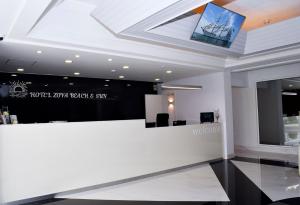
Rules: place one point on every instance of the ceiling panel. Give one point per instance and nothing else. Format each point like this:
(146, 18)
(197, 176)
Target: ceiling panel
(260, 13)
(8, 13)
(117, 15)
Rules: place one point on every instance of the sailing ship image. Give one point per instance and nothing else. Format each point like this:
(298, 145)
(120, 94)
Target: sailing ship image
(219, 33)
(218, 26)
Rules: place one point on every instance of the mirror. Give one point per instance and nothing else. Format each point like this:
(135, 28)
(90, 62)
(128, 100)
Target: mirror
(279, 111)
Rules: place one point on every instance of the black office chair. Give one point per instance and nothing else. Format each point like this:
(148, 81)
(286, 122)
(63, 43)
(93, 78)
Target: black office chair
(162, 120)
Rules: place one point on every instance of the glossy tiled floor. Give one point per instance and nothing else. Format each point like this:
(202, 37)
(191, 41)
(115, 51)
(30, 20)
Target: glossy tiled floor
(239, 187)
(276, 182)
(193, 184)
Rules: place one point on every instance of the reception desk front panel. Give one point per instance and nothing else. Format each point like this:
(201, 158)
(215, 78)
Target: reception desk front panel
(42, 159)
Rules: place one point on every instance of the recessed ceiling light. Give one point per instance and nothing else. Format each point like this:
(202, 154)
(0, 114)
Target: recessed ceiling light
(68, 61)
(107, 80)
(128, 85)
(77, 56)
(46, 85)
(71, 83)
(125, 67)
(113, 70)
(121, 77)
(39, 52)
(76, 73)
(13, 75)
(157, 79)
(28, 83)
(20, 69)
(291, 85)
(106, 85)
(65, 78)
(169, 71)
(109, 59)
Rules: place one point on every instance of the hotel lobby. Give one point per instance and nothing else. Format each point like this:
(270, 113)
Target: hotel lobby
(136, 102)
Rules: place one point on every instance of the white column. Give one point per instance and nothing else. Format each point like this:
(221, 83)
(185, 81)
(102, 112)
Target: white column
(228, 118)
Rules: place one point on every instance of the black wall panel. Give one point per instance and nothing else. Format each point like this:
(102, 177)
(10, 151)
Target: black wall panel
(43, 98)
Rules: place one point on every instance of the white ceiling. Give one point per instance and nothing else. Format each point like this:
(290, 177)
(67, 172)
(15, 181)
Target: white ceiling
(259, 12)
(89, 64)
(117, 29)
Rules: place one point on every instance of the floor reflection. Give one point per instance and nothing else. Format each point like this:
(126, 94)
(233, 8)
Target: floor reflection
(277, 182)
(241, 188)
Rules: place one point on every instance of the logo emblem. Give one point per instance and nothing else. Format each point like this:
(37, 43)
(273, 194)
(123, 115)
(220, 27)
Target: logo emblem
(18, 89)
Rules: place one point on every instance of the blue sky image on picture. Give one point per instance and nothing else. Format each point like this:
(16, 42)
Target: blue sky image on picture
(218, 26)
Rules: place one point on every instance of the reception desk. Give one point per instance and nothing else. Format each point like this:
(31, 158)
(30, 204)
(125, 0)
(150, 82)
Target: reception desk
(43, 159)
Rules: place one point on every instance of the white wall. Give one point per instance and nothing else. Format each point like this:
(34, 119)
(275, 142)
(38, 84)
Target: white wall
(157, 104)
(244, 117)
(41, 159)
(214, 95)
(239, 79)
(154, 105)
(168, 108)
(246, 129)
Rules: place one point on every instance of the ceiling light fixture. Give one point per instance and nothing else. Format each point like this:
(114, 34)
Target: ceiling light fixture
(68, 61)
(121, 77)
(267, 21)
(106, 85)
(157, 79)
(71, 84)
(77, 56)
(289, 93)
(65, 78)
(107, 80)
(169, 71)
(20, 69)
(181, 87)
(291, 85)
(113, 70)
(125, 67)
(109, 59)
(76, 73)
(13, 75)
(39, 52)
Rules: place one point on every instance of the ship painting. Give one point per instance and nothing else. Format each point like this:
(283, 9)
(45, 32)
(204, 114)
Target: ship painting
(218, 26)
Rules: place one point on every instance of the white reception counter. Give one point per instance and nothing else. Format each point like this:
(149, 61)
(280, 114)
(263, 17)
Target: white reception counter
(42, 159)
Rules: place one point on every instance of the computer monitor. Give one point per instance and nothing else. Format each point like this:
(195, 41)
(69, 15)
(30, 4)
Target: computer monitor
(206, 117)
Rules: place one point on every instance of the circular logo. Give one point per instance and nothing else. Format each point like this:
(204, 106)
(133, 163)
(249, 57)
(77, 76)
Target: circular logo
(18, 89)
